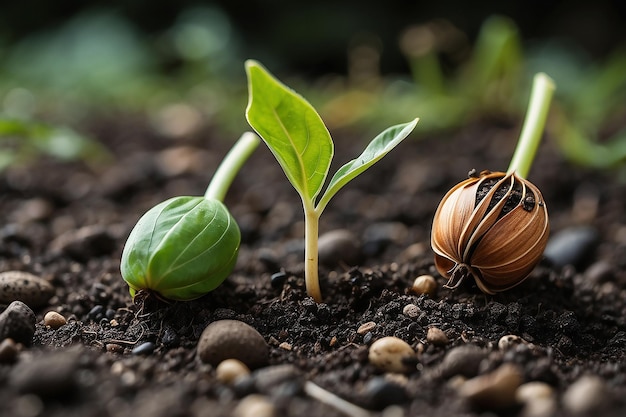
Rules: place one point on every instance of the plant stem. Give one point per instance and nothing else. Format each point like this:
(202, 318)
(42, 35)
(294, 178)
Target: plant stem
(230, 166)
(311, 234)
(534, 123)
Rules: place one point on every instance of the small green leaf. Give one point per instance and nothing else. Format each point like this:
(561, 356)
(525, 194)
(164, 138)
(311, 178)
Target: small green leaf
(292, 129)
(377, 148)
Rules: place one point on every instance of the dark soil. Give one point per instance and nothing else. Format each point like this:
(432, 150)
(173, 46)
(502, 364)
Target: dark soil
(67, 223)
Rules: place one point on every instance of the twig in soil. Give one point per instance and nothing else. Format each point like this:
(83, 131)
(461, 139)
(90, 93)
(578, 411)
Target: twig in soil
(328, 398)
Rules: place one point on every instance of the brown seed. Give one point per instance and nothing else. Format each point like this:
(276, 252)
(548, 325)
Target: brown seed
(25, 287)
(424, 284)
(492, 227)
(437, 337)
(54, 320)
(366, 327)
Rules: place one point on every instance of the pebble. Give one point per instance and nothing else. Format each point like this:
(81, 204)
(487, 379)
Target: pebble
(462, 360)
(18, 323)
(54, 320)
(255, 405)
(278, 279)
(366, 327)
(8, 350)
(145, 348)
(588, 394)
(232, 339)
(411, 311)
(571, 246)
(424, 284)
(392, 354)
(509, 341)
(25, 287)
(230, 370)
(339, 247)
(538, 398)
(495, 390)
(380, 393)
(52, 374)
(437, 337)
(84, 243)
(378, 236)
(278, 381)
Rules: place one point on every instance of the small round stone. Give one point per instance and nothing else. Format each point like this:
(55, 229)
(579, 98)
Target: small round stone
(411, 311)
(8, 351)
(380, 393)
(18, 323)
(424, 284)
(232, 339)
(538, 398)
(230, 370)
(462, 360)
(339, 246)
(392, 354)
(25, 287)
(495, 390)
(510, 340)
(437, 337)
(145, 348)
(586, 395)
(54, 320)
(255, 405)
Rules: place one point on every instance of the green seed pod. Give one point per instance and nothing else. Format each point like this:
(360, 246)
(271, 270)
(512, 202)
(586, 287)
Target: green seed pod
(181, 249)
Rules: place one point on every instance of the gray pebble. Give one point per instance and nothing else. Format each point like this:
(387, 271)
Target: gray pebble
(462, 360)
(571, 246)
(232, 339)
(84, 243)
(145, 348)
(278, 381)
(586, 395)
(18, 323)
(380, 393)
(52, 374)
(339, 246)
(25, 287)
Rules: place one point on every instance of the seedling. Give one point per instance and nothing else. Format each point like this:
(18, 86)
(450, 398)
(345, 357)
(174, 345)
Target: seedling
(186, 246)
(302, 145)
(494, 226)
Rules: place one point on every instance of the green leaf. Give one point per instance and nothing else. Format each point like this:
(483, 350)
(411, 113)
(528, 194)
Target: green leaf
(377, 148)
(292, 129)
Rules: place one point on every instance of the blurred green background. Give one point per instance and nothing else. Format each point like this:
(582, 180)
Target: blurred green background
(362, 64)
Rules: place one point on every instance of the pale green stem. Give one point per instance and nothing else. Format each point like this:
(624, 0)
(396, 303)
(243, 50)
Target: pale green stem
(534, 123)
(230, 166)
(311, 234)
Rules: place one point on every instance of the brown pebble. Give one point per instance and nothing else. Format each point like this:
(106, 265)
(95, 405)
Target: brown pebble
(255, 405)
(588, 394)
(424, 284)
(114, 348)
(230, 369)
(285, 346)
(25, 287)
(437, 337)
(8, 350)
(392, 354)
(495, 390)
(366, 327)
(232, 339)
(54, 320)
